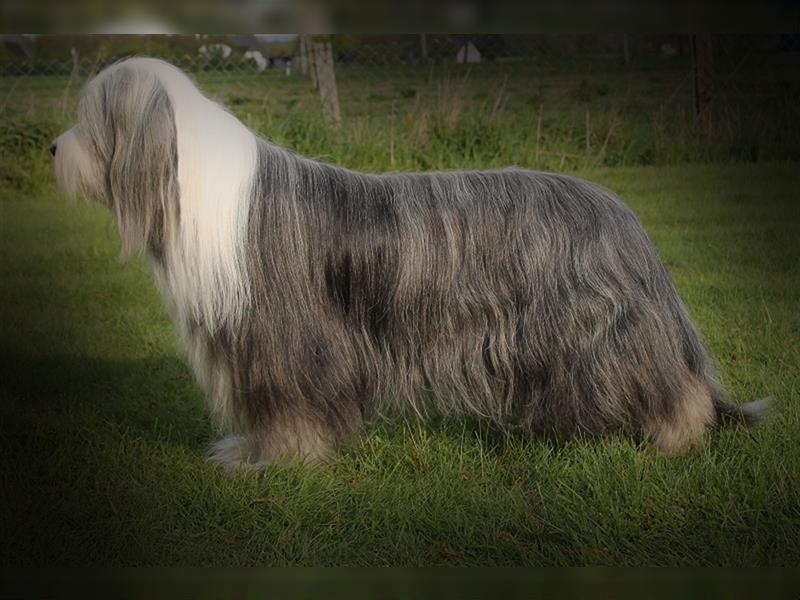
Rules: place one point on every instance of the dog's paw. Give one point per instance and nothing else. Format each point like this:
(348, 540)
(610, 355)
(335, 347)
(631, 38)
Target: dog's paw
(231, 453)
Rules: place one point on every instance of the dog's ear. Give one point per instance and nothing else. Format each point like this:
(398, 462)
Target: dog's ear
(141, 178)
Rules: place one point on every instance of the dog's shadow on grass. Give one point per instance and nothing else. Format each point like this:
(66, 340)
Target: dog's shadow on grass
(157, 398)
(154, 397)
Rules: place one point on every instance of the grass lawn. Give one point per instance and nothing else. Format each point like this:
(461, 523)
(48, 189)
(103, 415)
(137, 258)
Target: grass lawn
(103, 430)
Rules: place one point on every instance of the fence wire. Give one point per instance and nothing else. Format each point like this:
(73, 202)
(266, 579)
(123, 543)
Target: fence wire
(605, 99)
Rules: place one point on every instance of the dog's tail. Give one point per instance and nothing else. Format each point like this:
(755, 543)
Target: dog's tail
(749, 414)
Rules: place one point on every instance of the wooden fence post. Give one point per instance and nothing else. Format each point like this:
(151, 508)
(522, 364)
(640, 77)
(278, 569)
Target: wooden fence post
(326, 79)
(303, 55)
(626, 51)
(703, 88)
(312, 62)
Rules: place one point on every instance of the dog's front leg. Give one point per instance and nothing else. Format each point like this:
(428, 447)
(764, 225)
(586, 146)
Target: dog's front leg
(293, 436)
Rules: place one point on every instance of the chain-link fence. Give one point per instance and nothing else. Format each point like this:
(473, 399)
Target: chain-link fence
(62, 55)
(383, 61)
(430, 101)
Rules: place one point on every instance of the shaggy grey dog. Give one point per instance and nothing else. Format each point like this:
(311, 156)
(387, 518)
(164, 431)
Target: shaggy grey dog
(311, 297)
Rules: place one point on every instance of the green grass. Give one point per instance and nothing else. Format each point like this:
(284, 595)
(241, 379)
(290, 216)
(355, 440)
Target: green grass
(103, 431)
(551, 113)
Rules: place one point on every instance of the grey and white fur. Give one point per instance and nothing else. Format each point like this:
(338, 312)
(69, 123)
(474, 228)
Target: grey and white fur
(310, 297)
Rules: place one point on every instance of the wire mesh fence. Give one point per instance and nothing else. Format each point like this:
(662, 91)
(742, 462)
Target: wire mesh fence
(373, 58)
(250, 53)
(440, 101)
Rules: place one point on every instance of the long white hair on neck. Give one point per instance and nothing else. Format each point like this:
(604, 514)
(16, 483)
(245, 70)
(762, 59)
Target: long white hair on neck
(205, 269)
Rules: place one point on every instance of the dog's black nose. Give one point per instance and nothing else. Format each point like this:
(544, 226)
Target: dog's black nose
(52, 149)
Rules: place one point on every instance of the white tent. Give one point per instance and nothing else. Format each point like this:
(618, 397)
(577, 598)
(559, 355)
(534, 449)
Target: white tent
(468, 53)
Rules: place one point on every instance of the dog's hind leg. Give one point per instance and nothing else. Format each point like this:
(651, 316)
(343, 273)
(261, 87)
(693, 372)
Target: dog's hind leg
(684, 427)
